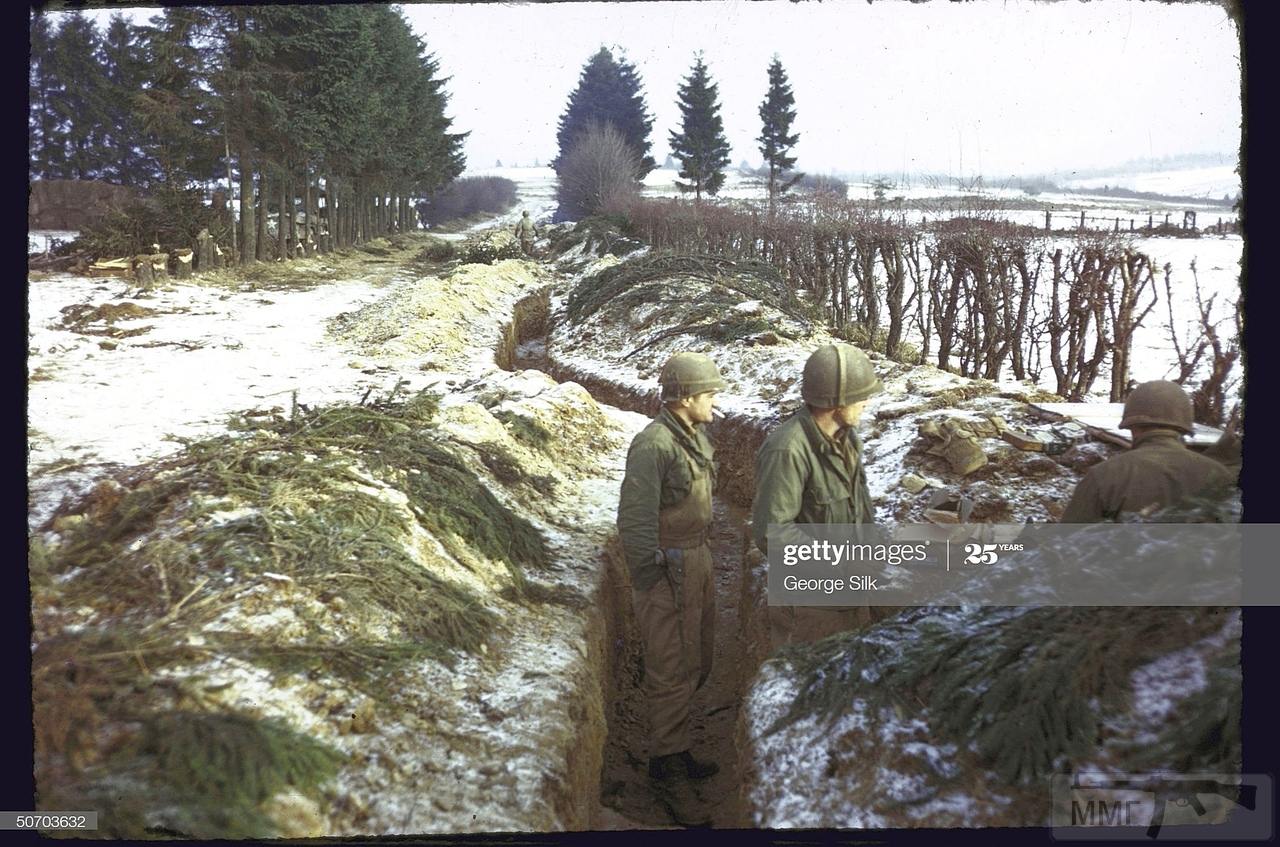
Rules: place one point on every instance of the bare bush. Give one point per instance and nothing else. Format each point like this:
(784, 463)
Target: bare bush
(601, 172)
(1209, 398)
(972, 289)
(467, 196)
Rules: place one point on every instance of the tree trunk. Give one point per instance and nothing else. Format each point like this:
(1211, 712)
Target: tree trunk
(204, 251)
(248, 230)
(261, 252)
(226, 143)
(334, 212)
(142, 272)
(307, 243)
(294, 249)
(283, 248)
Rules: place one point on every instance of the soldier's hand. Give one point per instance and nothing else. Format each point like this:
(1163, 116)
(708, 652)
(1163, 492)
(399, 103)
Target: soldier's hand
(673, 556)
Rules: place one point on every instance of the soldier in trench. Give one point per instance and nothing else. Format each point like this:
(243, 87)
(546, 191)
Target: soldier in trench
(809, 470)
(664, 514)
(526, 232)
(1159, 470)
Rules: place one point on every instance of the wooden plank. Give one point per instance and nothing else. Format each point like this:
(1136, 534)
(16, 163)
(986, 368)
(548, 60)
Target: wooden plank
(1102, 420)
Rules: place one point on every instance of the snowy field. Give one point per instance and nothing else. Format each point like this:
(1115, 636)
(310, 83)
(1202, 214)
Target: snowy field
(1211, 183)
(209, 352)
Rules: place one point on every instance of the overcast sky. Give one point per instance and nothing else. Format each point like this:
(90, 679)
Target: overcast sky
(985, 87)
(990, 87)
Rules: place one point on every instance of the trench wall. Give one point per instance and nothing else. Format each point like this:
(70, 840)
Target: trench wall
(737, 439)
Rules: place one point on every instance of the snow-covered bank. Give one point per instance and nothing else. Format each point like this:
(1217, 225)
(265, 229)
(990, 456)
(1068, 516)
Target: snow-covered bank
(508, 738)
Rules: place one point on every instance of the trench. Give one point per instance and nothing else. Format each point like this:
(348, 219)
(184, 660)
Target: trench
(626, 800)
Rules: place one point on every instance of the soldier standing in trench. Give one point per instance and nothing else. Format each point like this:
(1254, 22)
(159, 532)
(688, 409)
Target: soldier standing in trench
(525, 231)
(664, 512)
(809, 470)
(1158, 470)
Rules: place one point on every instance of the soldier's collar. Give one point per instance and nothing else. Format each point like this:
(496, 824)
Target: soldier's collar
(819, 439)
(1172, 436)
(682, 431)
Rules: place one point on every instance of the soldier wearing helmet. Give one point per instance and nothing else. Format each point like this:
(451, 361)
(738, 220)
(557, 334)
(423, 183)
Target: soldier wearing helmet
(526, 231)
(1158, 471)
(664, 512)
(809, 470)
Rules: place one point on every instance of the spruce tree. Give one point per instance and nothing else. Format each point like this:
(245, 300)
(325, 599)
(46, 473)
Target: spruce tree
(700, 145)
(776, 139)
(122, 71)
(74, 83)
(175, 108)
(44, 136)
(608, 92)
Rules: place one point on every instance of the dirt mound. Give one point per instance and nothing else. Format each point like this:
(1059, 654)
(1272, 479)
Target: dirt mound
(437, 318)
(377, 594)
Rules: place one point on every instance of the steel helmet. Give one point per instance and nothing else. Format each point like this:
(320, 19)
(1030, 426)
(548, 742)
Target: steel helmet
(837, 375)
(687, 374)
(1158, 403)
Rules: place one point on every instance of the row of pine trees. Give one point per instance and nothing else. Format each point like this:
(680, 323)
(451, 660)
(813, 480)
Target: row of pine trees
(609, 92)
(287, 102)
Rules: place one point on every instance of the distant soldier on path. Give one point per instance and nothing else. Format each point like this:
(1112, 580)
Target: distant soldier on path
(1159, 470)
(809, 470)
(526, 232)
(664, 513)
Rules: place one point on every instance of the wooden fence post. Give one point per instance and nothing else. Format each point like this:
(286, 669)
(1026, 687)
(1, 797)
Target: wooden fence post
(1047, 227)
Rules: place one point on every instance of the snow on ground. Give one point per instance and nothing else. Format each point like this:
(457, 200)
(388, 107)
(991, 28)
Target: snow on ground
(860, 770)
(40, 240)
(661, 182)
(96, 402)
(1212, 183)
(495, 744)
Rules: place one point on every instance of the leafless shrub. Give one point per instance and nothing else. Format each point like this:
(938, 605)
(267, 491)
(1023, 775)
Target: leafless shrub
(1208, 399)
(600, 172)
(972, 288)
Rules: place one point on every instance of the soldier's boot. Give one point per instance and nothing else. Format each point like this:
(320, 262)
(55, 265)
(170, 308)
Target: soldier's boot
(677, 792)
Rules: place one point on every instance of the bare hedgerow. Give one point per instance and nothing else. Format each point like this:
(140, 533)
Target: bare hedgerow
(601, 171)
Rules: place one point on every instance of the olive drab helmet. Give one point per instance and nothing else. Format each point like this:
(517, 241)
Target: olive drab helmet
(837, 375)
(687, 374)
(1158, 403)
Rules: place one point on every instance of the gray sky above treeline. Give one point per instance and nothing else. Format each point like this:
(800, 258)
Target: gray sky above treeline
(991, 87)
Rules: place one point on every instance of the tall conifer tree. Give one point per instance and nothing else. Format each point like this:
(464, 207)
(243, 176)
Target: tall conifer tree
(75, 84)
(700, 145)
(608, 92)
(776, 139)
(44, 137)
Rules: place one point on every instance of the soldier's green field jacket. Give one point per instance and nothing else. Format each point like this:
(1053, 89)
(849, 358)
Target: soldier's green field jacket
(668, 461)
(801, 477)
(1160, 470)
